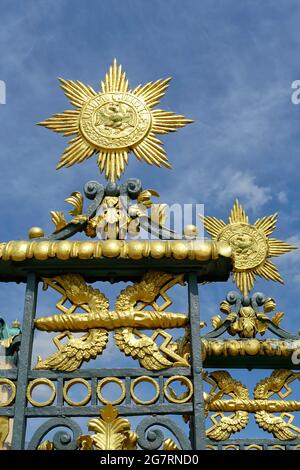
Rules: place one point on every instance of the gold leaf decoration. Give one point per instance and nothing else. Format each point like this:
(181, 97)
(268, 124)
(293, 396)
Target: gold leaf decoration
(76, 200)
(46, 445)
(58, 219)
(110, 431)
(4, 430)
(216, 321)
(277, 318)
(169, 444)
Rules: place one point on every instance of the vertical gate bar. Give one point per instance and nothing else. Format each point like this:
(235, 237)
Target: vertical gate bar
(161, 389)
(59, 391)
(94, 400)
(24, 364)
(127, 388)
(198, 422)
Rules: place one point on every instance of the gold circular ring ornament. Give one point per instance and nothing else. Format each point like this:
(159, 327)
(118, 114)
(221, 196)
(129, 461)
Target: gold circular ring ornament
(144, 378)
(171, 395)
(76, 381)
(12, 396)
(249, 245)
(35, 383)
(111, 121)
(108, 380)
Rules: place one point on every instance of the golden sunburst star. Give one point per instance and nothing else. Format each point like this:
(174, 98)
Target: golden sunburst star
(114, 122)
(250, 244)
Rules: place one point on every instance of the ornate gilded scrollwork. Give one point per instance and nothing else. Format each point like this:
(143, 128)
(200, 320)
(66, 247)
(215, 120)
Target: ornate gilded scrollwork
(277, 425)
(226, 425)
(262, 405)
(127, 319)
(110, 432)
(244, 317)
(150, 437)
(62, 440)
(116, 217)
(247, 317)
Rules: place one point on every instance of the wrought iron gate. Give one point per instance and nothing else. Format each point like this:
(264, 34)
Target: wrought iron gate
(152, 267)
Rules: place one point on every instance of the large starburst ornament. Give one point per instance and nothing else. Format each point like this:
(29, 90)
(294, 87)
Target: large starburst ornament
(250, 244)
(113, 122)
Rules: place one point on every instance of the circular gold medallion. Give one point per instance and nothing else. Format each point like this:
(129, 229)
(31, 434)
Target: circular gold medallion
(115, 120)
(248, 245)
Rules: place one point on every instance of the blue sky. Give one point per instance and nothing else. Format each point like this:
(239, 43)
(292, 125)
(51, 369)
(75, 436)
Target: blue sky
(232, 65)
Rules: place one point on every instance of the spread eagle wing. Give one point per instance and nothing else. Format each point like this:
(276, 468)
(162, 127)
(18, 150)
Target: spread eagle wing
(141, 347)
(70, 356)
(128, 116)
(102, 118)
(77, 350)
(80, 293)
(131, 341)
(222, 429)
(275, 424)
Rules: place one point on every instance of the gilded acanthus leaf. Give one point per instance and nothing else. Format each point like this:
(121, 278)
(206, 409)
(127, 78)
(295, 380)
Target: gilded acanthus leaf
(277, 318)
(145, 197)
(110, 431)
(169, 444)
(130, 442)
(46, 445)
(85, 442)
(158, 214)
(58, 219)
(216, 321)
(4, 430)
(76, 200)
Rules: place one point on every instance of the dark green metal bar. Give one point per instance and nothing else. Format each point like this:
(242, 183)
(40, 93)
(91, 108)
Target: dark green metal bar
(116, 372)
(124, 410)
(59, 391)
(24, 365)
(94, 399)
(198, 419)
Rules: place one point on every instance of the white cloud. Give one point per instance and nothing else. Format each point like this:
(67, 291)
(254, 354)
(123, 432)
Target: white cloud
(243, 185)
(282, 197)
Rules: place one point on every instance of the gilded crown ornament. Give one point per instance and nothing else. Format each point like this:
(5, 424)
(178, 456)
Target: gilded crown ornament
(115, 121)
(251, 246)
